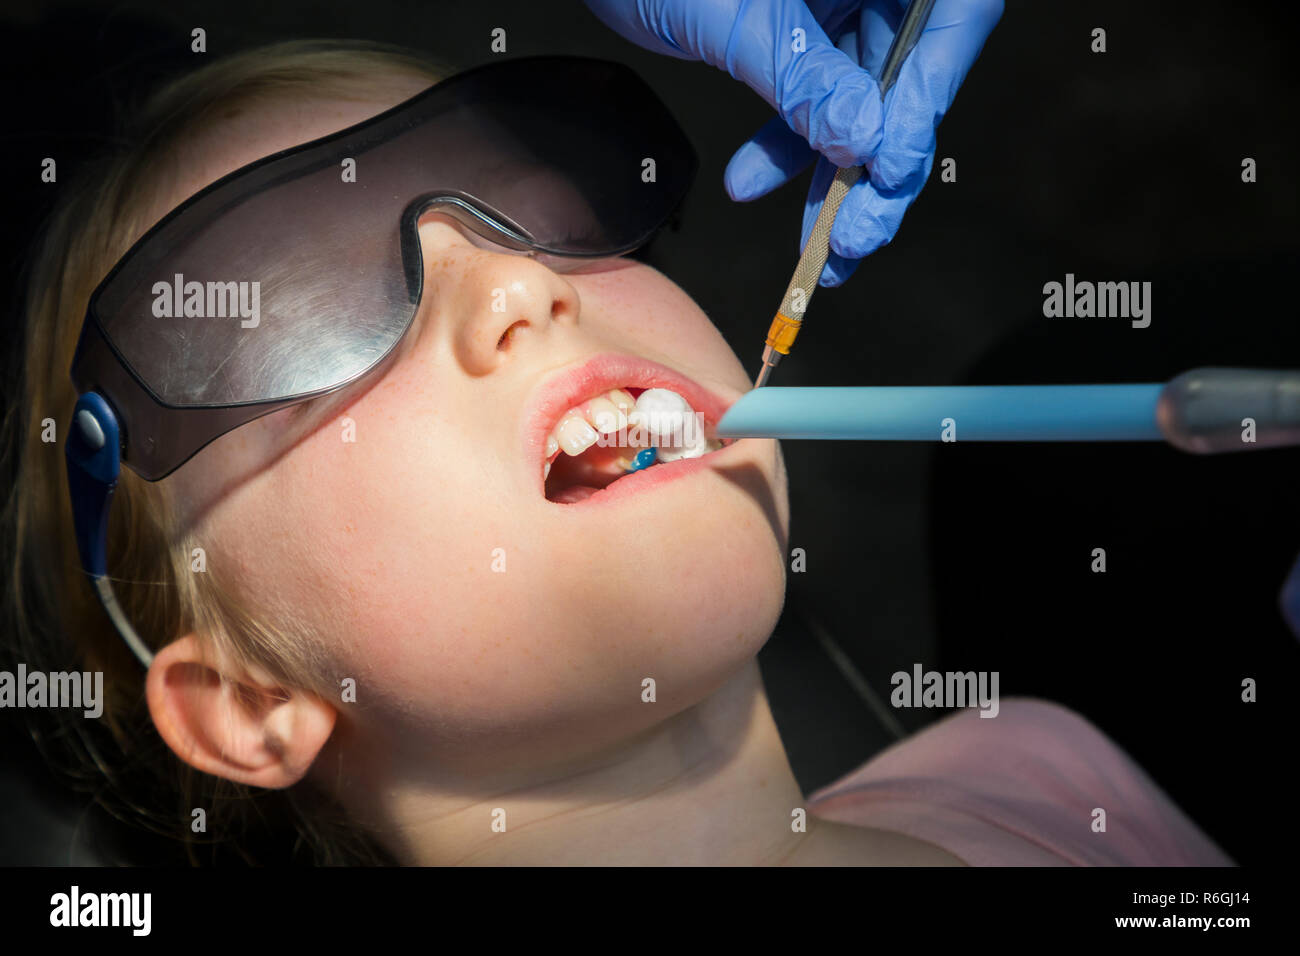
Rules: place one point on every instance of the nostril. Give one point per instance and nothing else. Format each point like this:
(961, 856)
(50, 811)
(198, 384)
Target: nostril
(508, 335)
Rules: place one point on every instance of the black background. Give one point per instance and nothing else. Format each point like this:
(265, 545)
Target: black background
(1119, 166)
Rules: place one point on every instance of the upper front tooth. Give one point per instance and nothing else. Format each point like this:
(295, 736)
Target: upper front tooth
(623, 400)
(660, 401)
(656, 410)
(605, 415)
(574, 434)
(666, 415)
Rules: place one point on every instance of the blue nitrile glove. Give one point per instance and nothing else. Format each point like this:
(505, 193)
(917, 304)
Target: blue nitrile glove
(825, 96)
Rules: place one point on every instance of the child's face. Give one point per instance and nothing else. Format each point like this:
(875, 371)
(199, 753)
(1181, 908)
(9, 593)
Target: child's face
(404, 522)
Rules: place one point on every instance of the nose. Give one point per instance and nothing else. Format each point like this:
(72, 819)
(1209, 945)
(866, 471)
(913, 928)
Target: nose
(489, 303)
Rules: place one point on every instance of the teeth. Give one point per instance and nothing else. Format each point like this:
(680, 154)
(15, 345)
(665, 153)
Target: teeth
(672, 416)
(623, 400)
(605, 415)
(673, 454)
(656, 409)
(693, 451)
(575, 434)
(580, 427)
(658, 402)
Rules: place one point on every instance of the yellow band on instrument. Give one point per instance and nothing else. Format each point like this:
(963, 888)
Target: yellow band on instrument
(781, 335)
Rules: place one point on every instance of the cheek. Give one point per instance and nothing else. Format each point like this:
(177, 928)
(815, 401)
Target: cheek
(405, 552)
(477, 615)
(461, 611)
(390, 544)
(646, 307)
(696, 596)
(463, 603)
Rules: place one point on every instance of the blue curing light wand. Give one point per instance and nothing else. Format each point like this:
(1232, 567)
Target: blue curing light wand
(1203, 411)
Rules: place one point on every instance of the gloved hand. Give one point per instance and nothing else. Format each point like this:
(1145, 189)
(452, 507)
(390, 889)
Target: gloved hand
(825, 97)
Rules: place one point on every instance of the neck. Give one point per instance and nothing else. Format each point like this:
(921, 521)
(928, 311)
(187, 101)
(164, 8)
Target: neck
(709, 786)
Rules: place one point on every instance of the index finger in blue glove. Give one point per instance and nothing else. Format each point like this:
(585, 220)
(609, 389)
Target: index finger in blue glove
(927, 83)
(873, 209)
(870, 215)
(867, 219)
(825, 98)
(768, 159)
(779, 50)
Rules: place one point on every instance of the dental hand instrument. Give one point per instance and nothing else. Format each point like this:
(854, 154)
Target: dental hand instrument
(789, 317)
(1204, 411)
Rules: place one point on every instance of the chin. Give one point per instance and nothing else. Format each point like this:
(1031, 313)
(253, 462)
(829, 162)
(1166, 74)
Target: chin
(709, 586)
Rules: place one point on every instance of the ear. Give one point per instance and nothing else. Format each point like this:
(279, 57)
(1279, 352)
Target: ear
(232, 722)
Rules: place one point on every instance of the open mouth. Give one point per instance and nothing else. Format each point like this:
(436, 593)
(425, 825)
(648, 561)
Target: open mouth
(618, 433)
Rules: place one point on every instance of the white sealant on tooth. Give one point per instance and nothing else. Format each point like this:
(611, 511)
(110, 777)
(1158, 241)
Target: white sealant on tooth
(669, 416)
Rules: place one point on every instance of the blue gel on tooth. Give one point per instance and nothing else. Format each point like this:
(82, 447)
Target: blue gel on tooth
(644, 459)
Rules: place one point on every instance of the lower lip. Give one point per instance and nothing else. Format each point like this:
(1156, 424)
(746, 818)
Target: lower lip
(656, 476)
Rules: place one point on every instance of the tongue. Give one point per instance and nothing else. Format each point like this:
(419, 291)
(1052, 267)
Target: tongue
(575, 479)
(574, 493)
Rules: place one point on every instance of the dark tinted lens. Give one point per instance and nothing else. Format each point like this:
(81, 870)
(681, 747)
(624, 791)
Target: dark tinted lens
(583, 156)
(283, 280)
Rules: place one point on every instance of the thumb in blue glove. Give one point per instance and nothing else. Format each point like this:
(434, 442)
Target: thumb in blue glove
(814, 62)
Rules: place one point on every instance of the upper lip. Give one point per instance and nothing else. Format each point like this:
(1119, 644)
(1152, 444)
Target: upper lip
(576, 384)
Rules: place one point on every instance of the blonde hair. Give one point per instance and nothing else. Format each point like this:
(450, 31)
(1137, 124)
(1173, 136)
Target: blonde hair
(48, 606)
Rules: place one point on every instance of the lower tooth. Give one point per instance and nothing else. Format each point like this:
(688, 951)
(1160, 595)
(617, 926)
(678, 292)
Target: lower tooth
(690, 451)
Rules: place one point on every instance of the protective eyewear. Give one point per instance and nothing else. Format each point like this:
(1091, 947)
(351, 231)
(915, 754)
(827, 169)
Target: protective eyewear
(298, 274)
